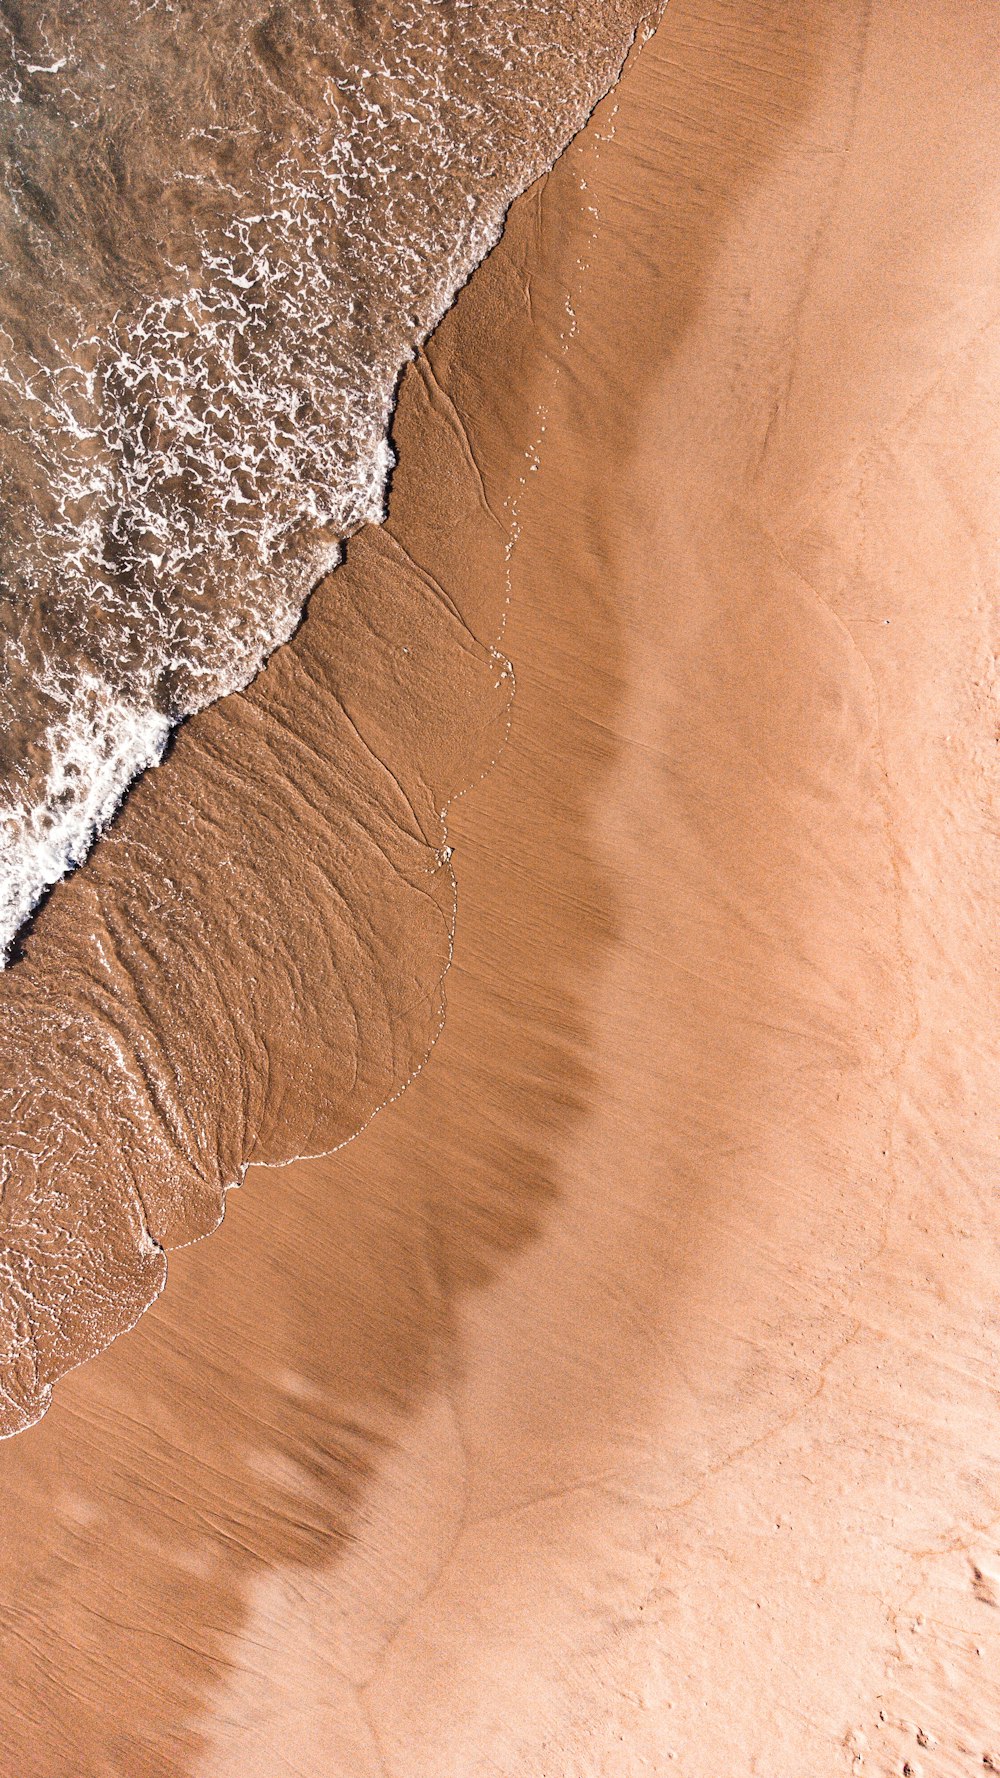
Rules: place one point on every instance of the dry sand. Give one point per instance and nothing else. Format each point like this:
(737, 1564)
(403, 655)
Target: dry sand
(624, 1400)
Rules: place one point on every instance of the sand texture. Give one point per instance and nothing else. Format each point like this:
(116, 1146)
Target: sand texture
(624, 1400)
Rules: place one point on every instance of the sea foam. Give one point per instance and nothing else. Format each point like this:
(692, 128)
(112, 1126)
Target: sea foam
(226, 238)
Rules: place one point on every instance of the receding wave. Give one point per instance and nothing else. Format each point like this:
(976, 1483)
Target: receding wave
(225, 229)
(225, 238)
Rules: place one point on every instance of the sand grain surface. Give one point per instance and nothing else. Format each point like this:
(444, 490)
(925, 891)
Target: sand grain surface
(624, 1399)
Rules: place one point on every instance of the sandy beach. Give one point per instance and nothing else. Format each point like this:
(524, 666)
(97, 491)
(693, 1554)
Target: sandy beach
(623, 1398)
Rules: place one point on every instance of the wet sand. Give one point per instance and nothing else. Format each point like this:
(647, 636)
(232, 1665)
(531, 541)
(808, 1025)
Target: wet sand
(623, 1399)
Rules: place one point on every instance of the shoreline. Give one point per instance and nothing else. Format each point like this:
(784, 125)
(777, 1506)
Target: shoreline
(324, 822)
(624, 1400)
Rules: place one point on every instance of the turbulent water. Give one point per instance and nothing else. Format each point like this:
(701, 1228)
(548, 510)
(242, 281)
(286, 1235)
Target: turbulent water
(224, 225)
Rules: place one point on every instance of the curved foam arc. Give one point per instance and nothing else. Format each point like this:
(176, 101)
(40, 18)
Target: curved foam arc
(95, 750)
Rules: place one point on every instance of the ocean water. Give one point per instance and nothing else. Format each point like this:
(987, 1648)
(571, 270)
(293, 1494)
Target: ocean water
(225, 225)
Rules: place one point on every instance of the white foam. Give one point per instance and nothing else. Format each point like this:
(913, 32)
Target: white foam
(196, 460)
(95, 750)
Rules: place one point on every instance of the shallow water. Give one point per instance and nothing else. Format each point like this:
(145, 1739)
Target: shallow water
(264, 219)
(224, 229)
